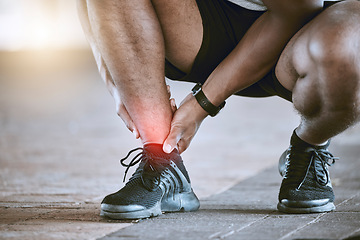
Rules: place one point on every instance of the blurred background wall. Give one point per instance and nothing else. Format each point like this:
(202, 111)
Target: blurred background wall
(39, 24)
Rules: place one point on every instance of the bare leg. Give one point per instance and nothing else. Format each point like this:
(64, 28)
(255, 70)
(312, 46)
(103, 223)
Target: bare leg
(321, 66)
(131, 39)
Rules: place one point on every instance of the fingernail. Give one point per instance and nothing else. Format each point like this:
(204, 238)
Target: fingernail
(135, 133)
(167, 148)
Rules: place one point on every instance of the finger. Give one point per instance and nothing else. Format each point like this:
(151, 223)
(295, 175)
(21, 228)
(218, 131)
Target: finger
(136, 133)
(168, 90)
(172, 139)
(124, 115)
(173, 105)
(182, 145)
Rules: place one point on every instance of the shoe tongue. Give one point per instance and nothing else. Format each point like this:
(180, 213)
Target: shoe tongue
(157, 156)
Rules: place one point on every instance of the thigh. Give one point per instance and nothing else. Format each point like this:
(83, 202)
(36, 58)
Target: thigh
(182, 29)
(297, 60)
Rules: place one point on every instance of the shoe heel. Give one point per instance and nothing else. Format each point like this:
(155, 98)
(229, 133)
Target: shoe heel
(185, 201)
(189, 202)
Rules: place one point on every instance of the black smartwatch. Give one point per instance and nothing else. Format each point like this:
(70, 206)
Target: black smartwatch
(204, 102)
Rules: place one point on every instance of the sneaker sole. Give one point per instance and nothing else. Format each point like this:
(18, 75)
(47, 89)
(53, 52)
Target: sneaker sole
(182, 202)
(145, 213)
(319, 209)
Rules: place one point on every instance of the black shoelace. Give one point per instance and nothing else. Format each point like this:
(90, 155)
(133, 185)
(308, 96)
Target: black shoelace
(325, 159)
(149, 169)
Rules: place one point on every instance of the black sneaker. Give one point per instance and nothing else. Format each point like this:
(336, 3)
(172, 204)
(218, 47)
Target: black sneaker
(159, 184)
(306, 186)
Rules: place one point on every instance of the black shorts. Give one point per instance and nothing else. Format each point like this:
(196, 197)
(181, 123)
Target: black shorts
(224, 25)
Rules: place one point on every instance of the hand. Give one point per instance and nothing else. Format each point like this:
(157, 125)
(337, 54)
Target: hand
(106, 76)
(185, 123)
(123, 113)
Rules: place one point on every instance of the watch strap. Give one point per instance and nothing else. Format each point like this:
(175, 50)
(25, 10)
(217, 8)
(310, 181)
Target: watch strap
(204, 101)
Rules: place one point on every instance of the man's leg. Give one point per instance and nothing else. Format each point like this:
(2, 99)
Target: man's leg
(321, 67)
(132, 37)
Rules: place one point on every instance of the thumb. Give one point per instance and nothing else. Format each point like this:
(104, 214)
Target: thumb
(172, 139)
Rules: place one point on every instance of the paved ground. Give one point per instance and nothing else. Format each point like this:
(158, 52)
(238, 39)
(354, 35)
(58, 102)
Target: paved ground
(248, 211)
(60, 142)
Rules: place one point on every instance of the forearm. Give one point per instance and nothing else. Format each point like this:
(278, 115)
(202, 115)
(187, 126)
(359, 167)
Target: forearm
(254, 55)
(252, 58)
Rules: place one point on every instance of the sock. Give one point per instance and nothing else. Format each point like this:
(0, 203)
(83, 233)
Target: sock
(296, 140)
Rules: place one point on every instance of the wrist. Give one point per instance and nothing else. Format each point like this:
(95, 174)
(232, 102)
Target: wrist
(199, 113)
(196, 112)
(204, 102)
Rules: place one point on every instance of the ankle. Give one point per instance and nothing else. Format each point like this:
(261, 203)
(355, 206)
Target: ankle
(299, 140)
(309, 140)
(156, 150)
